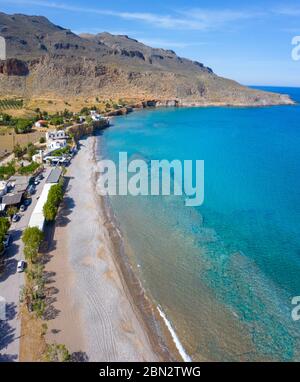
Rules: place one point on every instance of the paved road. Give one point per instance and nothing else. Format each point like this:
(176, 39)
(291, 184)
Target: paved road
(11, 283)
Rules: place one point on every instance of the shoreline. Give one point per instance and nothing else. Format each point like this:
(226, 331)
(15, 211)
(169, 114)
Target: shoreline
(96, 317)
(157, 327)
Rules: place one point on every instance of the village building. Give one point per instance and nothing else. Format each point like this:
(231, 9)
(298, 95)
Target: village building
(56, 139)
(41, 123)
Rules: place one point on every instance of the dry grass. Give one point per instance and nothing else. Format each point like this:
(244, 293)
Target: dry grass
(32, 341)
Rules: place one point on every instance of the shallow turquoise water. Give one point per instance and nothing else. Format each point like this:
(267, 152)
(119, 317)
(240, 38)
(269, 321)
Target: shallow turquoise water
(225, 272)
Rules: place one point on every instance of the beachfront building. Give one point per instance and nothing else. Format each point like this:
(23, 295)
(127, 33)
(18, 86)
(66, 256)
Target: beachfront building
(95, 116)
(56, 134)
(56, 144)
(56, 140)
(54, 176)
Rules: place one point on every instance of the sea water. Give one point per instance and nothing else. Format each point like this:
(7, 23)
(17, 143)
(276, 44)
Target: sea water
(223, 273)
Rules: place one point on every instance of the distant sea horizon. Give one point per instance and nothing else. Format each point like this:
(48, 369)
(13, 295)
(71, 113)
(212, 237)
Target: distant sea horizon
(223, 273)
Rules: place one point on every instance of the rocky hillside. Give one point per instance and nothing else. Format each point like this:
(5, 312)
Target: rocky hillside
(45, 59)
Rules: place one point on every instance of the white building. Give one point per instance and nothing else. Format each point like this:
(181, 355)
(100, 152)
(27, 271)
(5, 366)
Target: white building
(3, 188)
(95, 116)
(56, 139)
(56, 134)
(38, 158)
(40, 123)
(56, 144)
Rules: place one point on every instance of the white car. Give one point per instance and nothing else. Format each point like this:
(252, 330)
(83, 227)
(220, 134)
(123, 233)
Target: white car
(21, 266)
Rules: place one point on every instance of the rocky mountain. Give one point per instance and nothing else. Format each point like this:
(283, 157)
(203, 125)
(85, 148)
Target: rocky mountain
(46, 59)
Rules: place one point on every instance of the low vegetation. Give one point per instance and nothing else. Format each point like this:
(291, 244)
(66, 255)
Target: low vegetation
(57, 353)
(30, 169)
(60, 152)
(7, 171)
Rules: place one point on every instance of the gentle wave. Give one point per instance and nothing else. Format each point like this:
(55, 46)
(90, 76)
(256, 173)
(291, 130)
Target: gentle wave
(176, 340)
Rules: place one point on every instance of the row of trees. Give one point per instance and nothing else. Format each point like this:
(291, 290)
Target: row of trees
(54, 199)
(33, 292)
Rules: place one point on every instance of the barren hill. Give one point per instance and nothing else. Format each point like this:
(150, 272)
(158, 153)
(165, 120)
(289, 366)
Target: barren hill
(43, 58)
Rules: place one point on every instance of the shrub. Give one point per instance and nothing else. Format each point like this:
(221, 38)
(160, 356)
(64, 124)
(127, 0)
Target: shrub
(18, 151)
(57, 353)
(56, 121)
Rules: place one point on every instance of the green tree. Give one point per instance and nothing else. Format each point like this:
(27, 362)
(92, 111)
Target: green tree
(85, 111)
(4, 225)
(50, 211)
(31, 150)
(18, 151)
(32, 238)
(57, 120)
(23, 126)
(42, 140)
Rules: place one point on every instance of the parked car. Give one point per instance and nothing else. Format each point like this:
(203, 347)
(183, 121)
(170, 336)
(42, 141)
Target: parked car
(7, 240)
(22, 208)
(15, 218)
(31, 190)
(27, 202)
(36, 182)
(21, 266)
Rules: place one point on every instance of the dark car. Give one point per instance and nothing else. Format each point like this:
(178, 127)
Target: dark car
(31, 190)
(7, 240)
(27, 202)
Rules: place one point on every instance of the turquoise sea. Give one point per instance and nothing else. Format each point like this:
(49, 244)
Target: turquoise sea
(223, 273)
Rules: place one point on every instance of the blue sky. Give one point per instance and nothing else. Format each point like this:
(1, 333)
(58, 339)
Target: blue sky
(246, 41)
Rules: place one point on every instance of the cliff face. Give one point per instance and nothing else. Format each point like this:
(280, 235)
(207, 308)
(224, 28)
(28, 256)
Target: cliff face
(45, 59)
